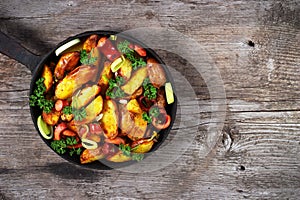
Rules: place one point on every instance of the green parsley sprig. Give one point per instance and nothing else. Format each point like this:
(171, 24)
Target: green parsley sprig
(126, 150)
(149, 90)
(87, 58)
(124, 48)
(38, 98)
(114, 90)
(153, 112)
(60, 146)
(79, 114)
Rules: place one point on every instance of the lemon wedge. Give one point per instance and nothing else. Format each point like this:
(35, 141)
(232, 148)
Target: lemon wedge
(45, 129)
(169, 93)
(64, 47)
(116, 65)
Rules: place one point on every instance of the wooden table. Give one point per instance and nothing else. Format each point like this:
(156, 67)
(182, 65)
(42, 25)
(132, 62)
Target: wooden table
(254, 44)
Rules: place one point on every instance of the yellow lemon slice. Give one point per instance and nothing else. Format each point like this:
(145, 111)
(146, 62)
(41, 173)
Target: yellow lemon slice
(116, 64)
(64, 47)
(169, 93)
(45, 129)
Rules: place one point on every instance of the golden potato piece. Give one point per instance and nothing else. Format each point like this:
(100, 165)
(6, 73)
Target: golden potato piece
(118, 157)
(156, 73)
(85, 96)
(143, 147)
(67, 62)
(91, 155)
(48, 76)
(137, 93)
(106, 74)
(74, 80)
(110, 119)
(126, 121)
(139, 129)
(133, 106)
(125, 70)
(135, 81)
(51, 118)
(92, 110)
(90, 43)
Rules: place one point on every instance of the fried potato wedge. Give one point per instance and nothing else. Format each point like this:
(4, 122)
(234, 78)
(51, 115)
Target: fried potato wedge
(51, 118)
(67, 62)
(92, 110)
(118, 157)
(85, 96)
(125, 69)
(90, 43)
(156, 73)
(133, 106)
(74, 80)
(91, 155)
(48, 76)
(137, 93)
(126, 121)
(110, 119)
(135, 81)
(143, 147)
(106, 74)
(139, 129)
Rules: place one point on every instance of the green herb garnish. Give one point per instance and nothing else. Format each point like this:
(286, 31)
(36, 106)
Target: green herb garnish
(153, 112)
(38, 98)
(130, 55)
(87, 58)
(146, 117)
(60, 146)
(114, 90)
(67, 110)
(149, 90)
(126, 150)
(79, 114)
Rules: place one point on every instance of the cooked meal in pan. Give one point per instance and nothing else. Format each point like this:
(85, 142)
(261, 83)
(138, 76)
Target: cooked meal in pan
(103, 97)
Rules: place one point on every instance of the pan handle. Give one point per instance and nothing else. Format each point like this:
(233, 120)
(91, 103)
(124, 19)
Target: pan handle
(14, 50)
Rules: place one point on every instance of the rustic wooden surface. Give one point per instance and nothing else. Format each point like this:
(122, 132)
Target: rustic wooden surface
(255, 45)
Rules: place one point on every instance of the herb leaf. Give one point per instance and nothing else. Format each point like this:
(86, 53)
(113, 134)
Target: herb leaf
(146, 117)
(87, 58)
(153, 112)
(149, 90)
(79, 114)
(114, 90)
(67, 110)
(130, 54)
(126, 150)
(38, 98)
(59, 146)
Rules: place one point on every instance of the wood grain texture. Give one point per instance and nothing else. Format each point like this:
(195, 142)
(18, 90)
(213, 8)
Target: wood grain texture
(255, 45)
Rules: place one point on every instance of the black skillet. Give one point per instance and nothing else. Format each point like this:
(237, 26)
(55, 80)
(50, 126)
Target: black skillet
(35, 64)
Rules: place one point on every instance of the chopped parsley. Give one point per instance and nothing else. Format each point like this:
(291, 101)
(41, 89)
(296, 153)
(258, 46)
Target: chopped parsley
(153, 112)
(114, 90)
(67, 110)
(38, 98)
(149, 90)
(79, 114)
(60, 146)
(126, 150)
(87, 58)
(124, 48)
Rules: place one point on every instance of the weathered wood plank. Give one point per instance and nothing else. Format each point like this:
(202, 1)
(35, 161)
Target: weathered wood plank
(259, 155)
